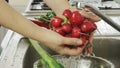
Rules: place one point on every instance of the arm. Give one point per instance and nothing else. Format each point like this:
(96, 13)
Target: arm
(59, 5)
(13, 20)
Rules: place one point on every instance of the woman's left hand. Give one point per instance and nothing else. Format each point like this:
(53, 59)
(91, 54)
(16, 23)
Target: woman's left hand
(92, 17)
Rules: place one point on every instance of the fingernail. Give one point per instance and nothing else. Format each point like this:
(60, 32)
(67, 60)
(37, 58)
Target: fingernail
(79, 42)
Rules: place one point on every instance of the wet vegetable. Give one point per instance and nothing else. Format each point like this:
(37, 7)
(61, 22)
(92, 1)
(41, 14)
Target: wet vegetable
(56, 21)
(72, 25)
(39, 23)
(67, 13)
(88, 27)
(47, 59)
(66, 28)
(76, 18)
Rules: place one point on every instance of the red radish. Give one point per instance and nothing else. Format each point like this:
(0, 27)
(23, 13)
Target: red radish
(88, 27)
(84, 52)
(68, 36)
(56, 21)
(67, 27)
(90, 50)
(79, 27)
(60, 31)
(86, 35)
(67, 13)
(84, 41)
(76, 18)
(39, 23)
(76, 32)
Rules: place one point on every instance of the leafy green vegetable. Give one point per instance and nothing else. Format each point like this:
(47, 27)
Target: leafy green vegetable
(46, 18)
(42, 63)
(48, 60)
(50, 14)
(65, 20)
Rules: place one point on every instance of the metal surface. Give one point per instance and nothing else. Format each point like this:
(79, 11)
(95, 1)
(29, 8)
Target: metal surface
(105, 47)
(39, 6)
(3, 31)
(104, 17)
(108, 48)
(81, 62)
(15, 48)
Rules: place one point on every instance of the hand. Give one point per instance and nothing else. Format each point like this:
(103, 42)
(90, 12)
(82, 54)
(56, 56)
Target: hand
(91, 16)
(56, 42)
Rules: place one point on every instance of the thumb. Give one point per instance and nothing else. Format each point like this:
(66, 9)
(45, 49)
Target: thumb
(90, 16)
(72, 41)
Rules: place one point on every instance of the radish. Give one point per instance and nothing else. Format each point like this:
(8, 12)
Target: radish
(60, 31)
(67, 27)
(76, 32)
(67, 13)
(56, 21)
(76, 18)
(88, 27)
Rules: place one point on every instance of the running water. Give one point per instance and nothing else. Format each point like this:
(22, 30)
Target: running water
(73, 62)
(81, 62)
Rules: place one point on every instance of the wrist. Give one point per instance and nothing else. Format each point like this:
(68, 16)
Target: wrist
(73, 8)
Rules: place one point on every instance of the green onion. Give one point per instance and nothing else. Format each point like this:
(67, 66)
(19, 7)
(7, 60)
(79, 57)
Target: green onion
(50, 62)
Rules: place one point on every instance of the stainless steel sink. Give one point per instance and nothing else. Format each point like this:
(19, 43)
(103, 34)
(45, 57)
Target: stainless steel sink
(105, 47)
(109, 49)
(2, 34)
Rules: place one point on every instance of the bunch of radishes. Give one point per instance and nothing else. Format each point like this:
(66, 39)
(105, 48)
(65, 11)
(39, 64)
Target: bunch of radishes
(73, 25)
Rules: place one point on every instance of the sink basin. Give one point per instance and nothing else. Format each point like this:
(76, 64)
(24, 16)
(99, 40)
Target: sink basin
(105, 47)
(108, 48)
(3, 31)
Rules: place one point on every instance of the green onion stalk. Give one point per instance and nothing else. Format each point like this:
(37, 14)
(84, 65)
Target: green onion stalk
(48, 60)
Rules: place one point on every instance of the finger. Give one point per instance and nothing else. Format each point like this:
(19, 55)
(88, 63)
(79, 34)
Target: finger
(90, 15)
(72, 41)
(74, 51)
(91, 37)
(87, 9)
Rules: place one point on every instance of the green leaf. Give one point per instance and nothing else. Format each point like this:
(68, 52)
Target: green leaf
(65, 20)
(50, 15)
